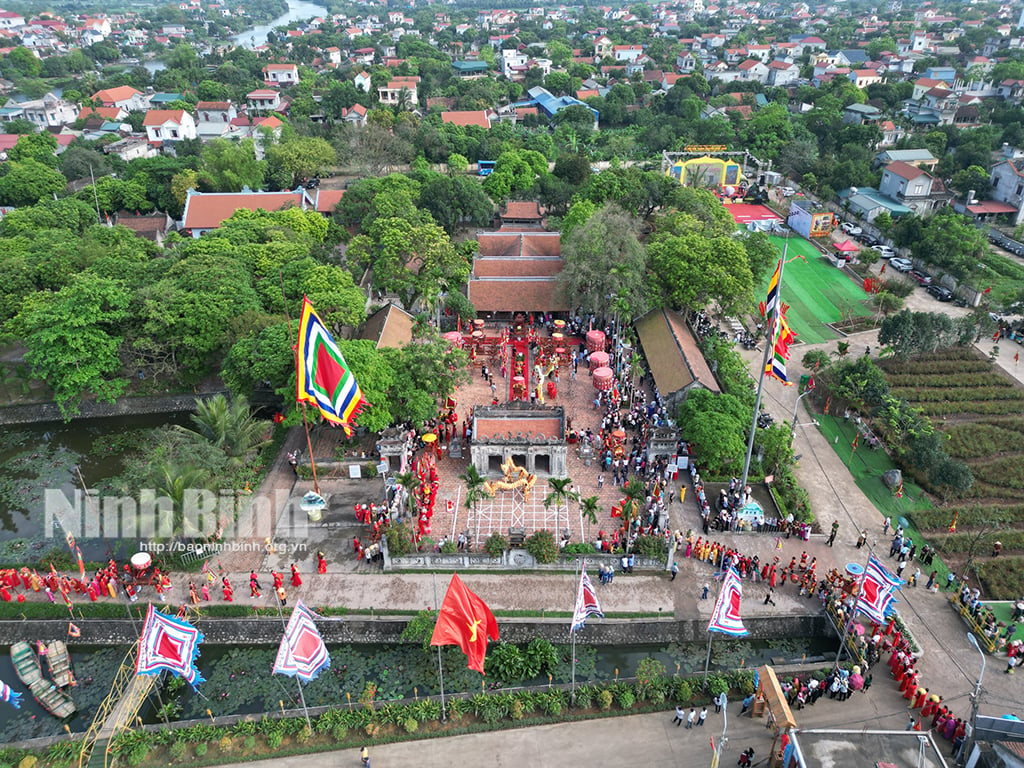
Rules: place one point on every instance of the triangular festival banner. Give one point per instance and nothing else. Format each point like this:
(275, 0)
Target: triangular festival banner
(323, 378)
(302, 652)
(171, 644)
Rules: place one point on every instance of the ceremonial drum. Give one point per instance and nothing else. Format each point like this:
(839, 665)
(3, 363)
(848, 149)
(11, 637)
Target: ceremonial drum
(603, 379)
(141, 561)
(478, 324)
(454, 338)
(559, 325)
(598, 360)
(557, 338)
(595, 341)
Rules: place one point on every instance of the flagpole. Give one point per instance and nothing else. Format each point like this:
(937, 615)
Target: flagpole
(298, 683)
(440, 670)
(769, 340)
(309, 445)
(572, 690)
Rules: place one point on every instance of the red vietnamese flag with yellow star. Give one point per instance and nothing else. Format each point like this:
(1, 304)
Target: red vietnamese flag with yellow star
(466, 621)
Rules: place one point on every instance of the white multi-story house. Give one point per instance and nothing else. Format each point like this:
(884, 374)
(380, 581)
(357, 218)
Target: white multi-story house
(281, 74)
(48, 112)
(213, 118)
(10, 20)
(391, 94)
(264, 100)
(169, 125)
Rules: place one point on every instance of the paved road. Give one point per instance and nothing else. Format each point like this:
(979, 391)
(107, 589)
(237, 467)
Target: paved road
(621, 742)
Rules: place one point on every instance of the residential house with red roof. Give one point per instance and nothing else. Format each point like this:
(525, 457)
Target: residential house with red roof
(265, 100)
(169, 125)
(482, 118)
(207, 211)
(392, 93)
(123, 96)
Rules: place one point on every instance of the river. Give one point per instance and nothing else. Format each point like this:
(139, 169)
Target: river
(298, 10)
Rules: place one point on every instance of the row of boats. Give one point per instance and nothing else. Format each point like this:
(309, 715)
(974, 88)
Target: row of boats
(51, 692)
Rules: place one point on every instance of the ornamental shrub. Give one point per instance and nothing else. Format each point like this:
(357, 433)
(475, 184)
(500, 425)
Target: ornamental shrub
(541, 544)
(178, 748)
(625, 697)
(604, 699)
(410, 725)
(495, 545)
(200, 749)
(249, 743)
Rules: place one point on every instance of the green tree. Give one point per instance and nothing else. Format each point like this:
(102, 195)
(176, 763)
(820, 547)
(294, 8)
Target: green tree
(717, 425)
(200, 307)
(29, 181)
(604, 262)
(230, 167)
(301, 158)
(691, 270)
(416, 261)
(455, 200)
(426, 372)
(73, 337)
(230, 426)
(263, 356)
(41, 147)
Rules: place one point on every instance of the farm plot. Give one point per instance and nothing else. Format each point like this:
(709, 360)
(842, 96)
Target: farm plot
(980, 409)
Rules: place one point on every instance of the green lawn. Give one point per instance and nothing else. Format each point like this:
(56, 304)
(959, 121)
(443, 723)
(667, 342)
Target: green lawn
(816, 292)
(867, 467)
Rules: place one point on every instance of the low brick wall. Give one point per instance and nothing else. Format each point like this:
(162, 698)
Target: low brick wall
(388, 629)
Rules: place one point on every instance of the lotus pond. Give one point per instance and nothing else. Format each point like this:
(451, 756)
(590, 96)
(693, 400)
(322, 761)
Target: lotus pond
(238, 679)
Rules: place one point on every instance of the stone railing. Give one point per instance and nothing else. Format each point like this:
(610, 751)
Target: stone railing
(511, 559)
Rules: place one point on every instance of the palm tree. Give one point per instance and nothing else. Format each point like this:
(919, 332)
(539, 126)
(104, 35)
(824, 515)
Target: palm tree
(636, 492)
(561, 493)
(173, 481)
(588, 510)
(474, 486)
(229, 425)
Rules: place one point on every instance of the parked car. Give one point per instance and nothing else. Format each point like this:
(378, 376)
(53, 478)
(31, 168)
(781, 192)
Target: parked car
(788, 191)
(851, 229)
(922, 277)
(868, 240)
(901, 265)
(885, 250)
(939, 292)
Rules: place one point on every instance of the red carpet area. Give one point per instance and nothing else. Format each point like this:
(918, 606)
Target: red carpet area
(745, 212)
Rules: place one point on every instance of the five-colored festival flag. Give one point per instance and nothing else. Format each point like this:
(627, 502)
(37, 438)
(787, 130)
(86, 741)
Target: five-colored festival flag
(171, 644)
(302, 652)
(587, 604)
(10, 695)
(726, 616)
(324, 378)
(780, 335)
(876, 593)
(466, 621)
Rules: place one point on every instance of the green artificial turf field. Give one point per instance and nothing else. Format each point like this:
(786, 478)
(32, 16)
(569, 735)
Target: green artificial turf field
(816, 292)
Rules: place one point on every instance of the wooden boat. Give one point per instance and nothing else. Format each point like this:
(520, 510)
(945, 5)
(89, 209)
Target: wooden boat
(26, 664)
(50, 698)
(59, 661)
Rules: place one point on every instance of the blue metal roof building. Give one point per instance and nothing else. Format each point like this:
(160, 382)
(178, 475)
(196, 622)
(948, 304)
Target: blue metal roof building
(551, 105)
